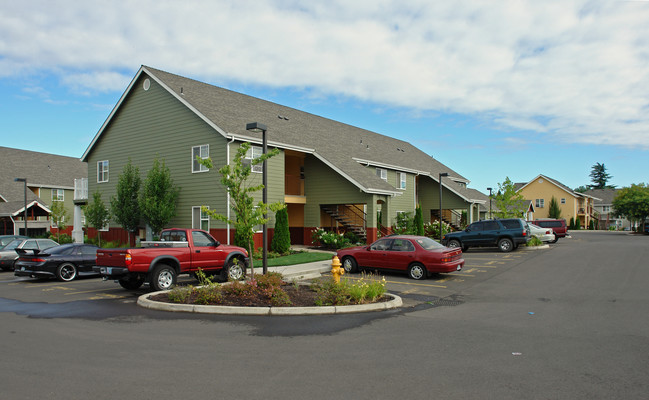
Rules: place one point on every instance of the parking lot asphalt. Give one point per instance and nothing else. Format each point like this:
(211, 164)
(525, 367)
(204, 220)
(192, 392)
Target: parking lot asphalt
(480, 264)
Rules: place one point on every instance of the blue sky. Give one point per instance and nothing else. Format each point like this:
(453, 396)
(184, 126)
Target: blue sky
(491, 89)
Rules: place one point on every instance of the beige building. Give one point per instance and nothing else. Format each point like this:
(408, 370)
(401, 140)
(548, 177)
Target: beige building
(540, 191)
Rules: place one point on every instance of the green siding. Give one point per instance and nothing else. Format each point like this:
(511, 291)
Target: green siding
(429, 198)
(151, 123)
(323, 185)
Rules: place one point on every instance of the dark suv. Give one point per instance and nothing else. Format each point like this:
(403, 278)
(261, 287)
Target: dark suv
(506, 234)
(558, 226)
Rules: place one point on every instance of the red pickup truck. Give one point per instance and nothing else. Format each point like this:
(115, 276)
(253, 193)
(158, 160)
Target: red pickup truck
(179, 251)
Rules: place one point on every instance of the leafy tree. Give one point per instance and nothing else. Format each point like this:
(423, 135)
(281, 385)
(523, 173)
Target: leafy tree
(58, 215)
(281, 242)
(633, 203)
(159, 196)
(404, 224)
(581, 189)
(234, 177)
(508, 202)
(125, 207)
(554, 210)
(419, 222)
(97, 214)
(599, 177)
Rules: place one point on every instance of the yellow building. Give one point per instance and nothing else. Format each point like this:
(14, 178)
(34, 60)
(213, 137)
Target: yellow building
(540, 191)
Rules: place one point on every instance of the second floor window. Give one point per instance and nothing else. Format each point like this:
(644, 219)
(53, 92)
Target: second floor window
(606, 209)
(382, 173)
(200, 152)
(102, 171)
(255, 152)
(540, 203)
(58, 195)
(401, 180)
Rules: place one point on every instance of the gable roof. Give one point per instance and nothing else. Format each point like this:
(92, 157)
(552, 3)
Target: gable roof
(603, 196)
(346, 149)
(42, 170)
(520, 186)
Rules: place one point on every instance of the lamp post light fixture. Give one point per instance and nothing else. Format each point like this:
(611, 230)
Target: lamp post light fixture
(489, 189)
(24, 181)
(257, 127)
(441, 174)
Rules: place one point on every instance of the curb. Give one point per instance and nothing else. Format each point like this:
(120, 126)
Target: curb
(545, 246)
(143, 301)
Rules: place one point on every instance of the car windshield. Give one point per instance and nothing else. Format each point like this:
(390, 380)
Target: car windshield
(428, 243)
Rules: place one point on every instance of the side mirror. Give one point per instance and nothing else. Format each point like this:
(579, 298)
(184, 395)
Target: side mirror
(369, 248)
(217, 243)
(467, 230)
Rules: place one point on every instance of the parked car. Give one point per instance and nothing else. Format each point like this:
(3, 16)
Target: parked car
(506, 234)
(558, 226)
(6, 239)
(416, 255)
(8, 254)
(544, 234)
(64, 262)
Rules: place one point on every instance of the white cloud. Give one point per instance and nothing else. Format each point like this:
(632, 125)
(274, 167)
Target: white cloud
(576, 70)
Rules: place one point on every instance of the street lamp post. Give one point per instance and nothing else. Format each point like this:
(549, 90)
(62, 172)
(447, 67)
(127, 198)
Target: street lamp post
(257, 127)
(489, 189)
(24, 181)
(441, 174)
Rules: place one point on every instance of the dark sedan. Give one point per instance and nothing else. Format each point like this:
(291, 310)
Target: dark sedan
(64, 262)
(416, 255)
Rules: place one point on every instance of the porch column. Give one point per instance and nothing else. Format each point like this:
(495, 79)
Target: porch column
(77, 230)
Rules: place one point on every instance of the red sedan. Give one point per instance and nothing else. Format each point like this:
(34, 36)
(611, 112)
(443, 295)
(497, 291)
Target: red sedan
(418, 255)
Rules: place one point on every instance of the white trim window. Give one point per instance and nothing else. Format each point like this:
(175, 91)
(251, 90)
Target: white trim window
(563, 200)
(58, 195)
(540, 203)
(200, 219)
(253, 153)
(382, 173)
(102, 171)
(202, 152)
(401, 180)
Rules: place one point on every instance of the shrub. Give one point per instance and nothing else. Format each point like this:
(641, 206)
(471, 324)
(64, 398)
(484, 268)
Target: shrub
(331, 240)
(431, 229)
(405, 224)
(534, 242)
(367, 289)
(281, 242)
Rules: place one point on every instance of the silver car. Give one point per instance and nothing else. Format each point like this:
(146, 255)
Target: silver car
(546, 235)
(8, 255)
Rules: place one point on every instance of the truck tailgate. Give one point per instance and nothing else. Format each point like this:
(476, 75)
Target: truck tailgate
(111, 257)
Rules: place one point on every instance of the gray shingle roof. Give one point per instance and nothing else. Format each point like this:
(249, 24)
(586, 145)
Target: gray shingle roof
(40, 170)
(603, 196)
(346, 148)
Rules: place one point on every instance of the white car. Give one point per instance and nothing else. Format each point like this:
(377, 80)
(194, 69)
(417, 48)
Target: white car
(546, 235)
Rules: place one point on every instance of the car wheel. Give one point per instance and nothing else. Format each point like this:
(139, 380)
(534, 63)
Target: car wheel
(555, 239)
(131, 283)
(505, 245)
(350, 265)
(417, 271)
(234, 270)
(66, 272)
(163, 278)
(454, 243)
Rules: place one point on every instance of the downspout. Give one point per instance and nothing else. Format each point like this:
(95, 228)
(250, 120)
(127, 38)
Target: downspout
(227, 213)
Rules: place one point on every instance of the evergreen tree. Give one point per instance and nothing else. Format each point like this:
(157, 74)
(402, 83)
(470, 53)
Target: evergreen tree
(281, 242)
(419, 222)
(159, 196)
(97, 214)
(554, 210)
(125, 207)
(572, 223)
(600, 177)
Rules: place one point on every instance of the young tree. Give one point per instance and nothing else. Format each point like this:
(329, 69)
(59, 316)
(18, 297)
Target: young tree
(633, 203)
(234, 178)
(159, 196)
(508, 202)
(125, 206)
(59, 213)
(97, 214)
(281, 242)
(419, 222)
(554, 210)
(599, 177)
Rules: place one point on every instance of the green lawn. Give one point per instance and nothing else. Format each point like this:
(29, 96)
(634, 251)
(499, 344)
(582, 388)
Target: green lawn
(298, 258)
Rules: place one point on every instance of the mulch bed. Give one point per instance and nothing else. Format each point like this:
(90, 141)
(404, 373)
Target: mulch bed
(301, 296)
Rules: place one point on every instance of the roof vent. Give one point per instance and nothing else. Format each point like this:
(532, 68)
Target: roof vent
(282, 117)
(181, 91)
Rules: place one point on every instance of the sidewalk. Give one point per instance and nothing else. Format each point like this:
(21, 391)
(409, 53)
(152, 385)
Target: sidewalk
(303, 271)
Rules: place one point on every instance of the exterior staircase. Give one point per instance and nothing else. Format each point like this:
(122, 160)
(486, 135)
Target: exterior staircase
(451, 217)
(350, 216)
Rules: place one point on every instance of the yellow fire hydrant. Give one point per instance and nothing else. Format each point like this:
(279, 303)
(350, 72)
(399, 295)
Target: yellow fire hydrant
(336, 271)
